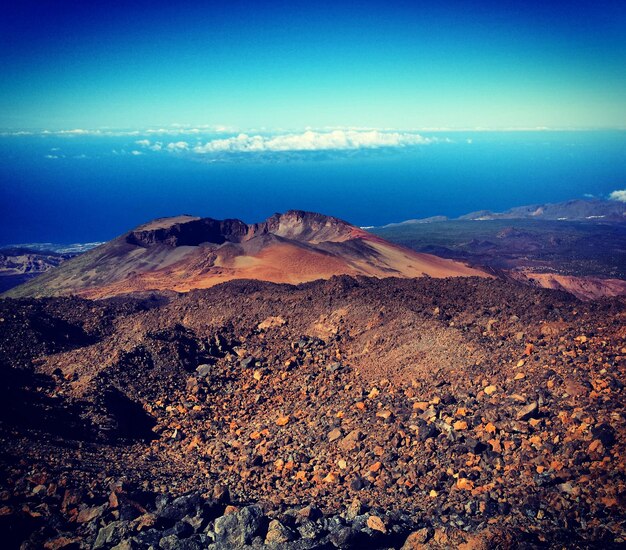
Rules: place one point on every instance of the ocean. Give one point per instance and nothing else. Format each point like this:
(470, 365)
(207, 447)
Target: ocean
(66, 188)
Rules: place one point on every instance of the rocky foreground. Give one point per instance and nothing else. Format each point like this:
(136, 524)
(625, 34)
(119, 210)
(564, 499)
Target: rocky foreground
(349, 413)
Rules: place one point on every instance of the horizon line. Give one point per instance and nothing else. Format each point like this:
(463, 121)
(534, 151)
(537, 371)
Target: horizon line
(175, 128)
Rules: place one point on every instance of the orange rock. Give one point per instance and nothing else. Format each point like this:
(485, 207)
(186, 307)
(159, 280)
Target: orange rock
(416, 540)
(595, 445)
(460, 425)
(376, 524)
(271, 322)
(529, 349)
(194, 444)
(557, 465)
(464, 484)
(87, 514)
(282, 420)
(609, 502)
(300, 476)
(490, 390)
(490, 428)
(375, 467)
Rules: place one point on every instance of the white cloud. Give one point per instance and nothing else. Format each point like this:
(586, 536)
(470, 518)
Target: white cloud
(312, 141)
(149, 145)
(618, 195)
(178, 146)
(160, 131)
(136, 153)
(78, 132)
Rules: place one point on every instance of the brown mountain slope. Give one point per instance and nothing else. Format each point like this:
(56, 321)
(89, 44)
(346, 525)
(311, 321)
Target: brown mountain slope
(185, 252)
(585, 288)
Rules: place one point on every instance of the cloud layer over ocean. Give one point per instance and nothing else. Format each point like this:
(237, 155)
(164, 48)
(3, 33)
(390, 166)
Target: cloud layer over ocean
(310, 140)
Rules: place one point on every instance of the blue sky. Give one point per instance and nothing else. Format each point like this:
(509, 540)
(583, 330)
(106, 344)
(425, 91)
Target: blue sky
(286, 65)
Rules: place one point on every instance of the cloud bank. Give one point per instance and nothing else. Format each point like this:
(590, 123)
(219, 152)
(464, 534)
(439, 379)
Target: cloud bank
(310, 140)
(618, 195)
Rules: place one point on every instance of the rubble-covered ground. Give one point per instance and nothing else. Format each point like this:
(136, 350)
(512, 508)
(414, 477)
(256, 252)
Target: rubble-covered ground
(348, 413)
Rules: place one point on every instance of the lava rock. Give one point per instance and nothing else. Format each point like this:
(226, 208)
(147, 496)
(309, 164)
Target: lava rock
(111, 534)
(605, 433)
(277, 533)
(181, 507)
(240, 527)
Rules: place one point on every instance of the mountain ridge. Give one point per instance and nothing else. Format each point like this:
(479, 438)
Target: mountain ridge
(182, 253)
(573, 210)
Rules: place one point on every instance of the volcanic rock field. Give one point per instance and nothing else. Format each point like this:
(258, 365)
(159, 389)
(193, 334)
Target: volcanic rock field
(348, 413)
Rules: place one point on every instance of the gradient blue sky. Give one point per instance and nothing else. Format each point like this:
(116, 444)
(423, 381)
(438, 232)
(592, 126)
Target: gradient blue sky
(289, 65)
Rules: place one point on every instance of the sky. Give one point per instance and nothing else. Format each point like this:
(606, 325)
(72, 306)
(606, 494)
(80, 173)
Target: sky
(278, 66)
(114, 113)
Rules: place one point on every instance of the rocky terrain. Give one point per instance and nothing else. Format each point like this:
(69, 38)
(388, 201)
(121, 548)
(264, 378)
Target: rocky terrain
(347, 413)
(586, 258)
(185, 252)
(18, 265)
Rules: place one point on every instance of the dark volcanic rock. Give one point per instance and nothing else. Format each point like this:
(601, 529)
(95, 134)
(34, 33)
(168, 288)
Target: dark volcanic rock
(191, 233)
(240, 527)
